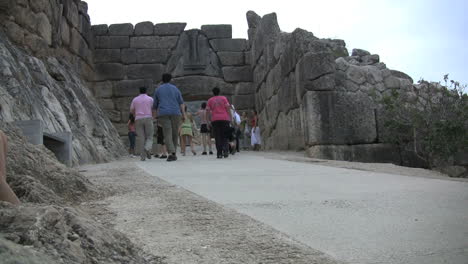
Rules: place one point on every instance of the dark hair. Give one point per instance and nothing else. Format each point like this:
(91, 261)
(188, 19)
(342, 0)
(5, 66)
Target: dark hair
(203, 105)
(142, 90)
(131, 118)
(166, 77)
(216, 91)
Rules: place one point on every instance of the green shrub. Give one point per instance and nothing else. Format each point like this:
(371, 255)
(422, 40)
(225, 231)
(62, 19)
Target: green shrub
(429, 119)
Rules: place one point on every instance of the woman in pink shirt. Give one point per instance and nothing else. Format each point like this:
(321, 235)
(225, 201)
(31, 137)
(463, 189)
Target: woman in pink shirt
(220, 111)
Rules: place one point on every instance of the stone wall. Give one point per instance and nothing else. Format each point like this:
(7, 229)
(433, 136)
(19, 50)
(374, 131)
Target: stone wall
(46, 59)
(311, 95)
(51, 28)
(127, 57)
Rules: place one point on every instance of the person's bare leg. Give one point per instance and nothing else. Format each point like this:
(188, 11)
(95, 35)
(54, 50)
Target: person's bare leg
(182, 144)
(192, 147)
(6, 193)
(204, 141)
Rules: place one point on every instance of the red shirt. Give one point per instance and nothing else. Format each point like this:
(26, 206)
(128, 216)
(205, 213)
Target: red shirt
(217, 106)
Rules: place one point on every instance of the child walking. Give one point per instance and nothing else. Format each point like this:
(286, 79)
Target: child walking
(131, 134)
(204, 131)
(186, 133)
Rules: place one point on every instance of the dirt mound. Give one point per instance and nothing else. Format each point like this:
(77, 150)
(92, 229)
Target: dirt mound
(46, 226)
(67, 235)
(36, 176)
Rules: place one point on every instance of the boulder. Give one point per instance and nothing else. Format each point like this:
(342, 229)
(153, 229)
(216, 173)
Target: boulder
(153, 42)
(125, 29)
(267, 31)
(100, 30)
(109, 71)
(253, 20)
(152, 55)
(14, 32)
(359, 53)
(402, 75)
(199, 87)
(44, 28)
(338, 118)
(244, 88)
(145, 71)
(244, 102)
(129, 88)
(102, 89)
(237, 74)
(144, 29)
(107, 55)
(112, 42)
(313, 71)
(237, 45)
(217, 31)
(231, 58)
(129, 56)
(169, 29)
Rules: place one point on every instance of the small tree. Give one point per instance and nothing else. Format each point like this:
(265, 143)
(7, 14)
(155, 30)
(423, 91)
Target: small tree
(429, 119)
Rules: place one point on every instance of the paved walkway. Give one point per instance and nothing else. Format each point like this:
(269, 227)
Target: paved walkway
(355, 216)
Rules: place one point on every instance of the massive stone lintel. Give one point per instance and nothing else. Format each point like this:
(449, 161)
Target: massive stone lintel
(153, 42)
(128, 88)
(145, 71)
(199, 87)
(238, 74)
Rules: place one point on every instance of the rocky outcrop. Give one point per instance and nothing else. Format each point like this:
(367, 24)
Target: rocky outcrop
(50, 90)
(311, 95)
(46, 61)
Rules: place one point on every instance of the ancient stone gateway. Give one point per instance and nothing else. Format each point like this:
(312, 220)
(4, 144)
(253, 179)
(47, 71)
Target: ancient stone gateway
(128, 57)
(309, 93)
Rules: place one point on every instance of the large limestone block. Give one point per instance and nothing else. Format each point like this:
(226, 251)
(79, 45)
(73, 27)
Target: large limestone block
(237, 45)
(287, 95)
(313, 66)
(100, 30)
(109, 71)
(123, 103)
(152, 55)
(360, 52)
(129, 88)
(85, 30)
(129, 56)
(107, 55)
(244, 102)
(70, 12)
(153, 42)
(231, 58)
(194, 56)
(106, 104)
(338, 118)
(78, 44)
(200, 87)
(382, 153)
(267, 31)
(125, 29)
(169, 29)
(253, 20)
(273, 81)
(238, 74)
(145, 71)
(144, 29)
(102, 89)
(217, 31)
(112, 42)
(295, 129)
(244, 88)
(15, 32)
(298, 43)
(356, 74)
(44, 28)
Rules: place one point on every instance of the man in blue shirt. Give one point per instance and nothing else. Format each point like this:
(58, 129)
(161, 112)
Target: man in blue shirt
(169, 107)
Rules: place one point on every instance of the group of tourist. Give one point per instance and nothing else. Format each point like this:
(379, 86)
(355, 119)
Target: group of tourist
(218, 119)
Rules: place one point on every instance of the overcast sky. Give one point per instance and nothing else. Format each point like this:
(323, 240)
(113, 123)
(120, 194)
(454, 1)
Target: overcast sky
(424, 38)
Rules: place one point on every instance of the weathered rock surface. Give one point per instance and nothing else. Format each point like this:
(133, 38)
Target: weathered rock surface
(52, 91)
